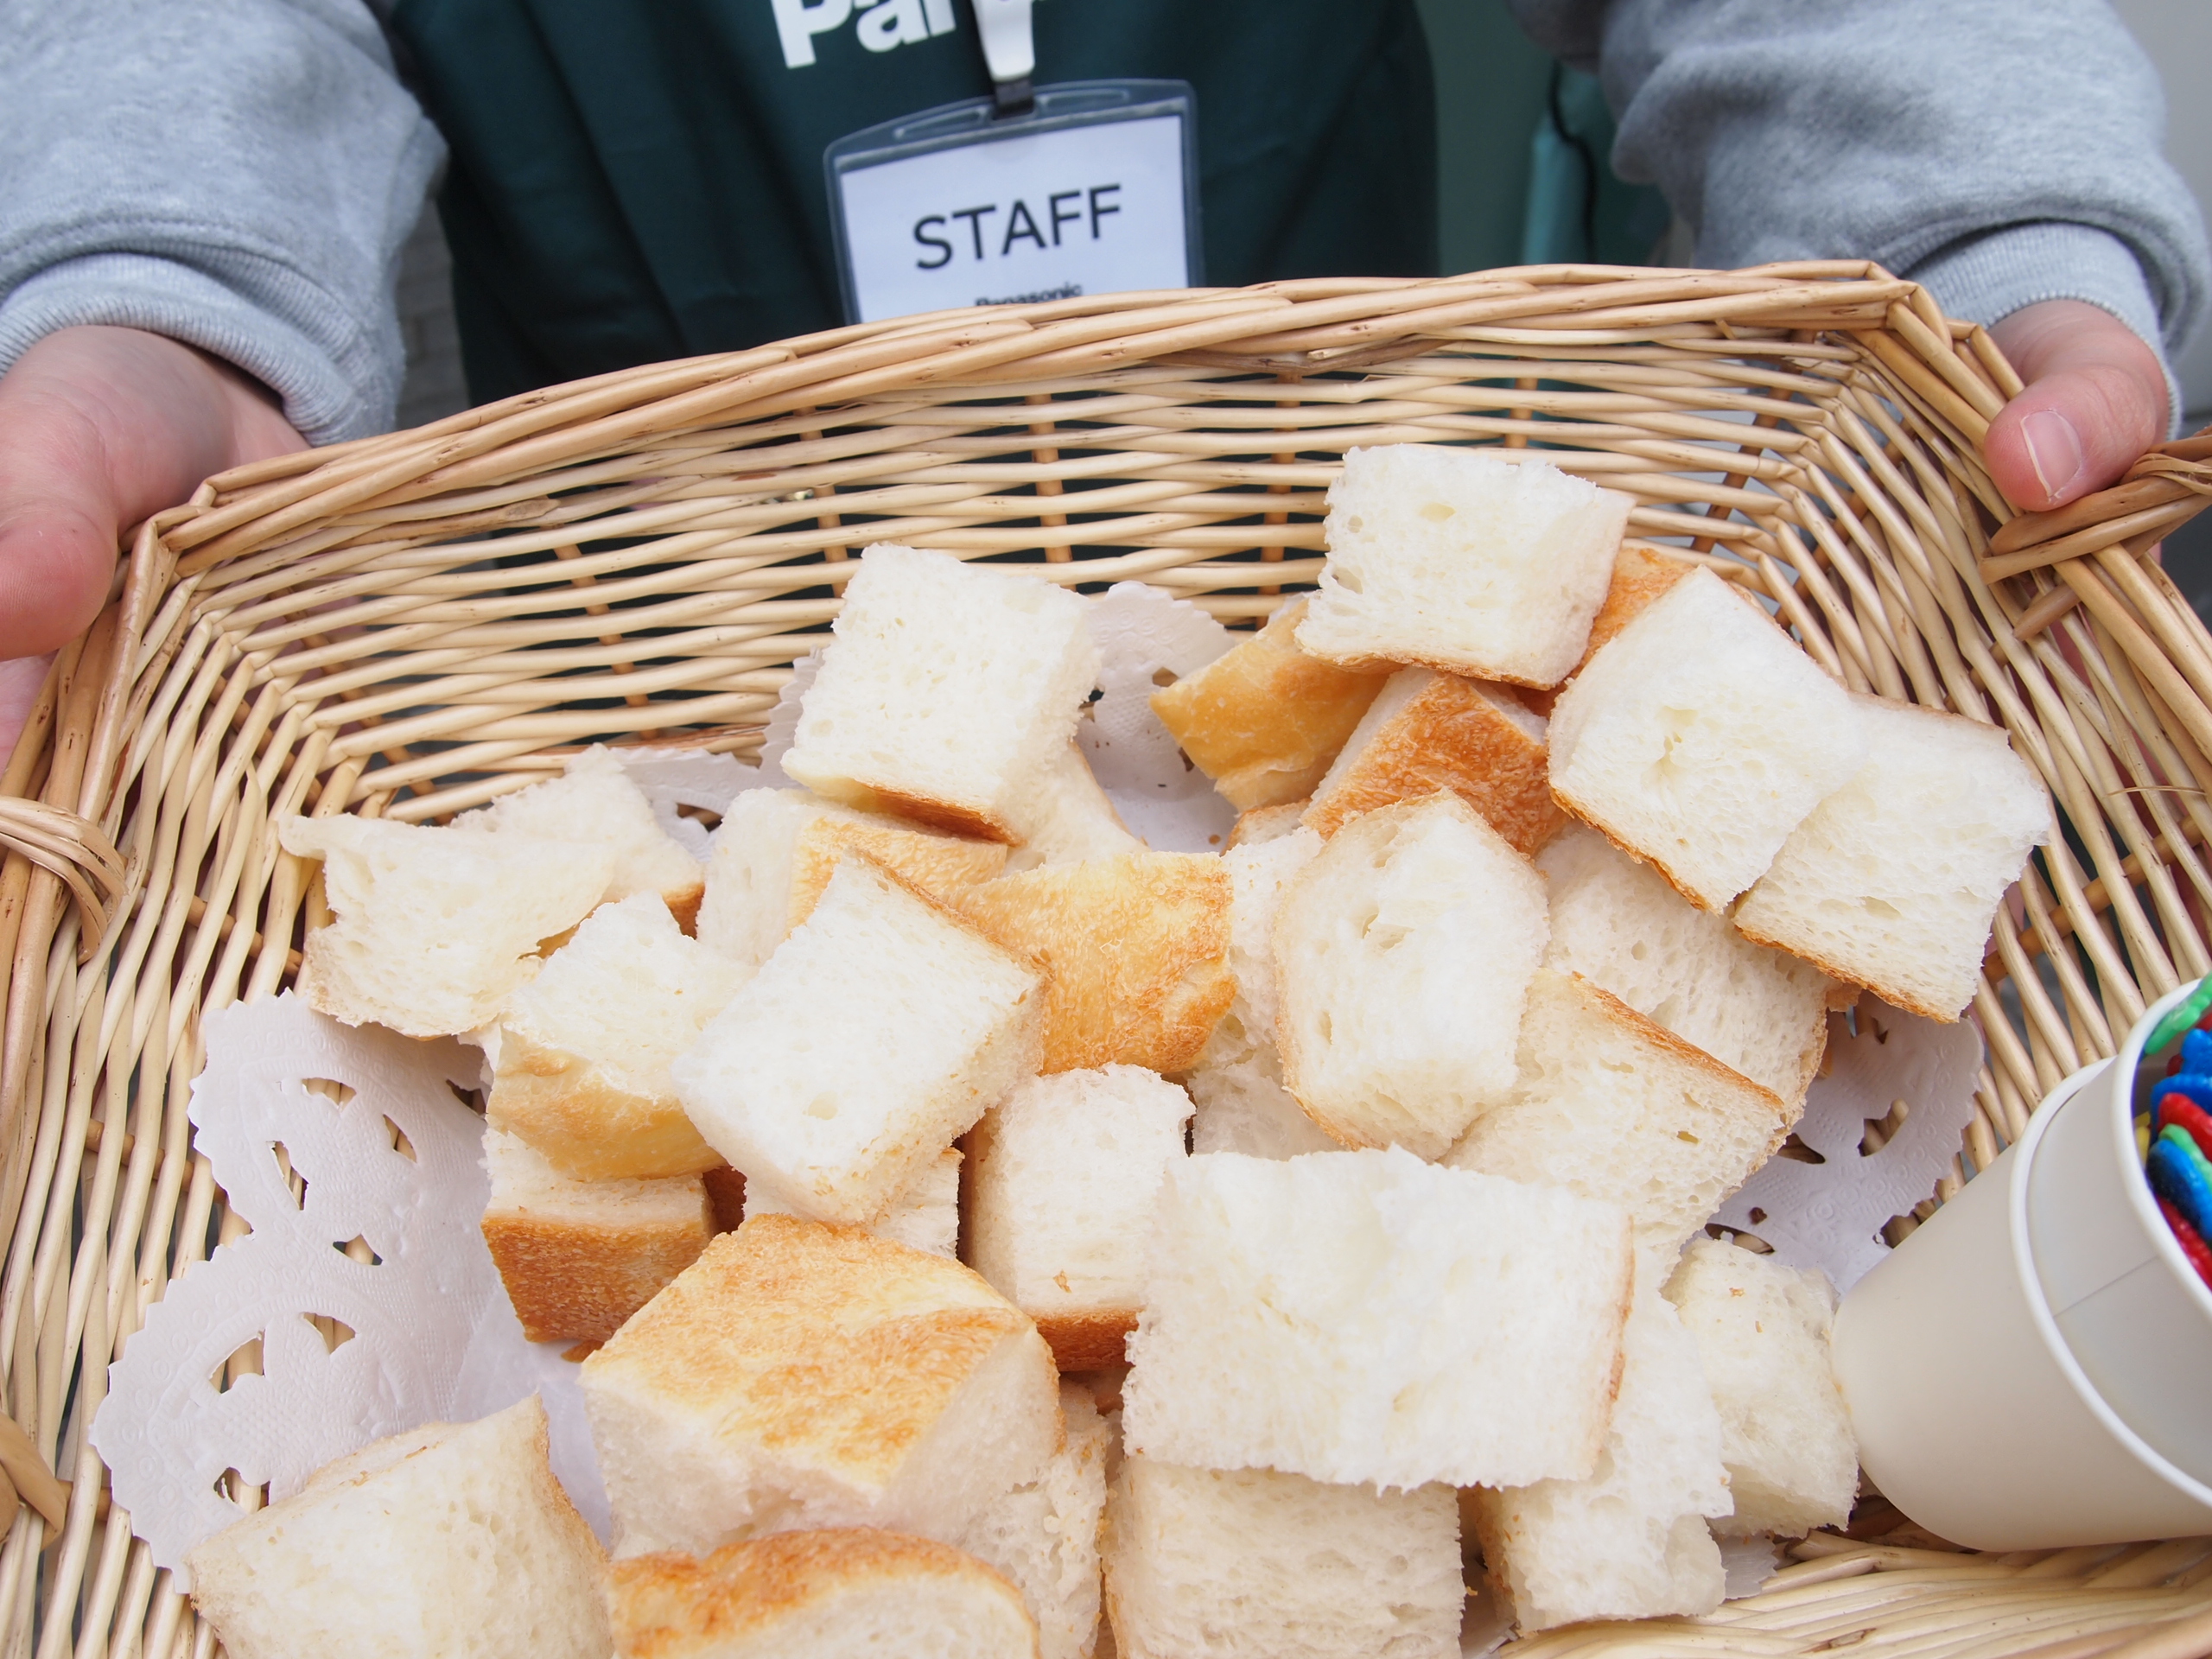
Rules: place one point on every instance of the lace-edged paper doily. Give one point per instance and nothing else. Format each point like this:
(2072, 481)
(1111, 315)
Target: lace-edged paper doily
(423, 1334)
(1830, 1215)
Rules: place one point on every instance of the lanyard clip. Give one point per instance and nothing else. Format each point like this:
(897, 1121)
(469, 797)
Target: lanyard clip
(1009, 52)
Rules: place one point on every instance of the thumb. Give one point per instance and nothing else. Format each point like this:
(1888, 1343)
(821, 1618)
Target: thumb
(2095, 399)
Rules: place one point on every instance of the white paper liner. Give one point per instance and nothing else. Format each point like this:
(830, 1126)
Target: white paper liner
(434, 1339)
(676, 778)
(1830, 1215)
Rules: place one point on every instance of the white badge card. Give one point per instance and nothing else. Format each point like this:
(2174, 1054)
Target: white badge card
(1093, 192)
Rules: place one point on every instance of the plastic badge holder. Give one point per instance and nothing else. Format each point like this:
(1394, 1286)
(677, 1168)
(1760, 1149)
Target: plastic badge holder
(1972, 1412)
(2131, 1309)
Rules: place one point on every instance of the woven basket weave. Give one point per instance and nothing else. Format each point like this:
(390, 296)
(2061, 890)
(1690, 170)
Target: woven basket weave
(411, 625)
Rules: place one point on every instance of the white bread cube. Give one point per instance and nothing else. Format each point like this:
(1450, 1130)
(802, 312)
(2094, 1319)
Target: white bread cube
(801, 1376)
(1631, 1540)
(579, 1257)
(1403, 956)
(773, 853)
(581, 1064)
(1893, 881)
(453, 1539)
(1761, 1331)
(1236, 1087)
(949, 690)
(1253, 1564)
(1429, 731)
(1617, 923)
(1066, 1169)
(1265, 719)
(842, 1593)
(1457, 560)
(834, 1125)
(923, 1216)
(1043, 1536)
(1134, 950)
(431, 929)
(594, 800)
(1616, 1108)
(1364, 1315)
(1064, 817)
(1700, 737)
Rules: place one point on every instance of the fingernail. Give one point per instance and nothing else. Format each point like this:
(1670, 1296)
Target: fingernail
(2054, 450)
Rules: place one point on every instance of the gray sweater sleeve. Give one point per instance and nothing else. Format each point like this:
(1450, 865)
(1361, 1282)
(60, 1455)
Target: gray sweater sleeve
(2001, 151)
(239, 174)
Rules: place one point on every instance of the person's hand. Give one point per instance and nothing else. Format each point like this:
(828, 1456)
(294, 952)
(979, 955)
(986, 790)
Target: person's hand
(99, 429)
(2096, 400)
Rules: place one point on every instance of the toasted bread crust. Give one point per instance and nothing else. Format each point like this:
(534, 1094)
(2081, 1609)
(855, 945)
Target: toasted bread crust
(1135, 949)
(1450, 736)
(673, 1605)
(581, 1281)
(938, 867)
(1265, 720)
(683, 904)
(975, 821)
(781, 1300)
(725, 1197)
(1640, 577)
(1088, 1342)
(588, 1122)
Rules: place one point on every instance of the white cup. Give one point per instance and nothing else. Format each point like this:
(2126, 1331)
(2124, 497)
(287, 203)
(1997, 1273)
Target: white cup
(1972, 1414)
(2133, 1310)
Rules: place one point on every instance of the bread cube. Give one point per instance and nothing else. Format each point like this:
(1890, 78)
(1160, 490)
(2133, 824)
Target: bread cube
(773, 853)
(1133, 949)
(594, 800)
(949, 690)
(800, 1375)
(1065, 817)
(1631, 1540)
(1762, 1332)
(1616, 1108)
(579, 1257)
(836, 1127)
(431, 929)
(1253, 1564)
(452, 1538)
(1430, 731)
(1236, 1087)
(1458, 559)
(1894, 880)
(1066, 1169)
(1617, 923)
(1043, 1536)
(1264, 720)
(1402, 957)
(841, 1594)
(923, 1216)
(580, 1062)
(1368, 1317)
(1700, 737)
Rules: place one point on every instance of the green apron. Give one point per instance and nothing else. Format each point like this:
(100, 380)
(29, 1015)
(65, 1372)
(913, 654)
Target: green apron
(637, 181)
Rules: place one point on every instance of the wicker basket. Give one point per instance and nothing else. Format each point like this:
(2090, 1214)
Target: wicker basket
(411, 625)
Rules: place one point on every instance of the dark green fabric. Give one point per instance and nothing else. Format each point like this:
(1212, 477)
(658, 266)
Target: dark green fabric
(643, 180)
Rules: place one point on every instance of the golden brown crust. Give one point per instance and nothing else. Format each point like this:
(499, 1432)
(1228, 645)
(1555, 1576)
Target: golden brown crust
(938, 866)
(1267, 822)
(577, 1281)
(1451, 735)
(1640, 577)
(827, 1342)
(948, 818)
(1136, 949)
(1087, 1342)
(679, 1606)
(684, 904)
(585, 1121)
(1265, 720)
